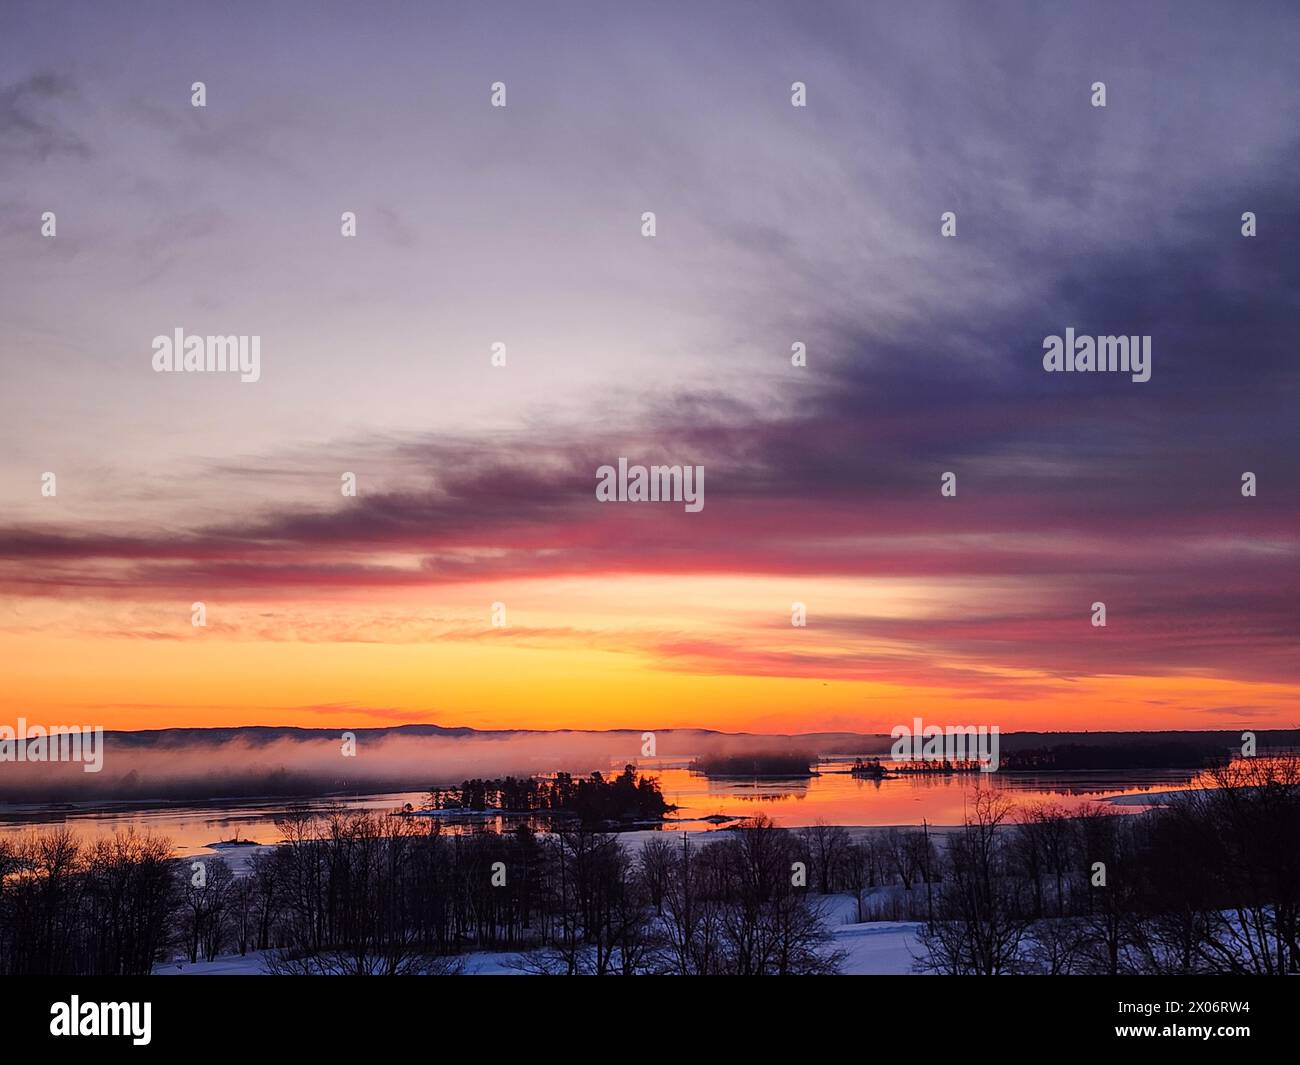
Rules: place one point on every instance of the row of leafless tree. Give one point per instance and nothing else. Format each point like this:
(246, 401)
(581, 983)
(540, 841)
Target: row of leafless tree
(363, 893)
(1209, 883)
(367, 893)
(69, 907)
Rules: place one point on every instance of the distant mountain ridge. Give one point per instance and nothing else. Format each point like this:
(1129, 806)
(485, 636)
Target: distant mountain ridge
(822, 741)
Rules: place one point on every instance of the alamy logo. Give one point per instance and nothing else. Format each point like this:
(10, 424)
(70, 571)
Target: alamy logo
(952, 743)
(656, 484)
(58, 743)
(179, 353)
(1131, 355)
(103, 1018)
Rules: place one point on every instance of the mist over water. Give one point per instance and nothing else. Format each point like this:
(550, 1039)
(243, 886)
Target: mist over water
(833, 796)
(189, 764)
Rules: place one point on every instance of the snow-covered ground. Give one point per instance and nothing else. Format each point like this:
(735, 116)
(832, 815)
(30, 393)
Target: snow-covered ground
(878, 948)
(227, 965)
(871, 948)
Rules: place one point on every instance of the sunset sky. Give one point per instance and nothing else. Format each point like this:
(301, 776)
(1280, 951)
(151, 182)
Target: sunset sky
(775, 225)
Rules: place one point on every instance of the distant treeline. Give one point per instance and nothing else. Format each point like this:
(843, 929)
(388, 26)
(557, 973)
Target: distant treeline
(1170, 754)
(935, 766)
(593, 800)
(771, 764)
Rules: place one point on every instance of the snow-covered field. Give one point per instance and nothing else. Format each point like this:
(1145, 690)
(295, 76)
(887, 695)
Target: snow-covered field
(878, 948)
(228, 965)
(871, 948)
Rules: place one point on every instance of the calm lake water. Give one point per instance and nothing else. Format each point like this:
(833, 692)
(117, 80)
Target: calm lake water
(834, 797)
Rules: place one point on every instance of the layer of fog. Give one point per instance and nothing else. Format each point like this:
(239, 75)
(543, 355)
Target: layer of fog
(233, 764)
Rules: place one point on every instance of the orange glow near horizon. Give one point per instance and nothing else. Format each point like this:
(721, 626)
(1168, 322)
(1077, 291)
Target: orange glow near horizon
(633, 652)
